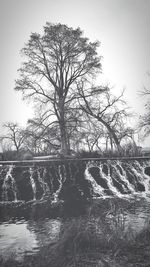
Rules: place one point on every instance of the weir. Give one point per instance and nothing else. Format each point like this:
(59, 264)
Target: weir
(99, 177)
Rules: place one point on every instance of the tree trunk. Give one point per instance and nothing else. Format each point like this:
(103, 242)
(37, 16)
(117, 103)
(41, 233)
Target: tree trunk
(111, 143)
(64, 143)
(63, 130)
(112, 134)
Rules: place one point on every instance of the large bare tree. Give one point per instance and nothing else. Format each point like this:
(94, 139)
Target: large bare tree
(54, 62)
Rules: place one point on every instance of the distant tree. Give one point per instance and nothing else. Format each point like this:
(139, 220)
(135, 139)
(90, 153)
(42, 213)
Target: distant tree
(89, 137)
(14, 136)
(144, 120)
(55, 62)
(144, 124)
(41, 138)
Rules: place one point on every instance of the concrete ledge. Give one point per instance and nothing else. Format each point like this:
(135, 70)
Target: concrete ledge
(63, 160)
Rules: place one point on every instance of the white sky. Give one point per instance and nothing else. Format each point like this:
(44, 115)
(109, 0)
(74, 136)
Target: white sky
(122, 27)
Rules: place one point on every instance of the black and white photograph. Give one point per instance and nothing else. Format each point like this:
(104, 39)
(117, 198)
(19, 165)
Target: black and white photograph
(74, 133)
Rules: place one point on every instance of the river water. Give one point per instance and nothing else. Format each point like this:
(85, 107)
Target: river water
(23, 234)
(23, 237)
(20, 236)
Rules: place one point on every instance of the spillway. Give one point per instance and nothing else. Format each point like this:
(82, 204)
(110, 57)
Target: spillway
(34, 180)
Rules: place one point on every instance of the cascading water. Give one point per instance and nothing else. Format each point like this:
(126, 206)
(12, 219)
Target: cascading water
(106, 178)
(9, 189)
(33, 185)
(118, 178)
(61, 179)
(42, 181)
(123, 176)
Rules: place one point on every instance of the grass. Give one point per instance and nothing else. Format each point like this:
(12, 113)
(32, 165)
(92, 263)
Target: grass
(98, 239)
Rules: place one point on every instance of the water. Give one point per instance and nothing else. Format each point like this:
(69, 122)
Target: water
(134, 218)
(9, 184)
(118, 178)
(22, 237)
(21, 187)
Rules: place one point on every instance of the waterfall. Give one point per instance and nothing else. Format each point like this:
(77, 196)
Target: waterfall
(105, 178)
(9, 186)
(42, 181)
(97, 189)
(61, 179)
(118, 178)
(123, 176)
(33, 185)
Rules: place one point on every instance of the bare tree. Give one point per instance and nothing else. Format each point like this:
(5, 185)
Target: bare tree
(89, 136)
(14, 137)
(107, 109)
(144, 120)
(144, 124)
(55, 61)
(41, 138)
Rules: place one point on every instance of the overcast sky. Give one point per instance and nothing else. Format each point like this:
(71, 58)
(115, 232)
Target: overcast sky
(122, 27)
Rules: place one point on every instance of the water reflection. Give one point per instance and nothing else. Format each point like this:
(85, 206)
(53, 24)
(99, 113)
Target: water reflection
(16, 239)
(19, 237)
(46, 230)
(139, 220)
(26, 237)
(133, 219)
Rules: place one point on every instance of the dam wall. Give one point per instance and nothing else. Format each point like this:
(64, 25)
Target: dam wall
(54, 178)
